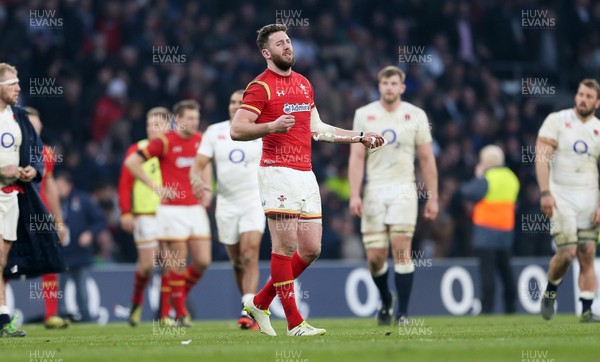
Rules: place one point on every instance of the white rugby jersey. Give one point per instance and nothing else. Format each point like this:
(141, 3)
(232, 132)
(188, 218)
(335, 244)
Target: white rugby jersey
(10, 139)
(574, 163)
(236, 162)
(405, 128)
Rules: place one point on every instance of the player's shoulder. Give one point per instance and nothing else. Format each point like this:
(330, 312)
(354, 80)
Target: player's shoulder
(411, 108)
(562, 114)
(299, 76)
(369, 107)
(219, 127)
(595, 121)
(260, 80)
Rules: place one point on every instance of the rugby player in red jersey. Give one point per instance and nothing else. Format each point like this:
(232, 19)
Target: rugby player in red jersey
(182, 219)
(278, 106)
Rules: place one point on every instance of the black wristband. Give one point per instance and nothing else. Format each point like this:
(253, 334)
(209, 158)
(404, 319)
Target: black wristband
(545, 193)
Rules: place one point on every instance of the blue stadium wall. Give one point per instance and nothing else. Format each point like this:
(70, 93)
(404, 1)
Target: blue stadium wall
(327, 289)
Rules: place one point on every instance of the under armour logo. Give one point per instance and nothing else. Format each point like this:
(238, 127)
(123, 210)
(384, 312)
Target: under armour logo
(280, 93)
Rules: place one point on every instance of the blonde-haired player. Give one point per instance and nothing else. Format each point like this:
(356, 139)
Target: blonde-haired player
(389, 205)
(138, 205)
(568, 151)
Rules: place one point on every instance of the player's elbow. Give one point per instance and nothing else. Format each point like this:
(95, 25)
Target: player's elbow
(131, 161)
(235, 132)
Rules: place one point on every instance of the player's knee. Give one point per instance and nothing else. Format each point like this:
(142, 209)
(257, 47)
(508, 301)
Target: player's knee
(248, 258)
(145, 269)
(567, 254)
(375, 262)
(311, 254)
(201, 264)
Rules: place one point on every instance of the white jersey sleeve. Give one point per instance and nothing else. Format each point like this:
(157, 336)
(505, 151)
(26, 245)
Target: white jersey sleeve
(207, 146)
(550, 127)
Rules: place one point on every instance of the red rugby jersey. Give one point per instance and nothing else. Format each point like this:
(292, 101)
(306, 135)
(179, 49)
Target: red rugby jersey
(176, 155)
(270, 96)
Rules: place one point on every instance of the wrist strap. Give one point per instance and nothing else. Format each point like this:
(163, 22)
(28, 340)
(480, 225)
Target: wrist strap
(546, 193)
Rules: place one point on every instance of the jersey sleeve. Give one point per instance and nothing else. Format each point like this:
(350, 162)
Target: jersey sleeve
(158, 147)
(550, 127)
(207, 145)
(126, 180)
(423, 134)
(357, 124)
(255, 97)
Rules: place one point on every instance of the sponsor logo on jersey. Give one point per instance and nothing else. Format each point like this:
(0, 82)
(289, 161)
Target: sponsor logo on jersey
(296, 107)
(183, 162)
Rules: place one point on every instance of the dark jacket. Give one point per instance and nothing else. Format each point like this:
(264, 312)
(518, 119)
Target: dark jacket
(81, 214)
(37, 248)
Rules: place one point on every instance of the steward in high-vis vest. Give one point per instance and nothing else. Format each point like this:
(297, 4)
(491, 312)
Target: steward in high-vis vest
(138, 205)
(494, 191)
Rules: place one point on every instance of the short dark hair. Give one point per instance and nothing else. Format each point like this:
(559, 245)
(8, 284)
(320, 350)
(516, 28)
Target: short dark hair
(179, 107)
(263, 34)
(391, 71)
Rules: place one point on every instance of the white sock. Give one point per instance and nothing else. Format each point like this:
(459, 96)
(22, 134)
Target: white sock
(4, 310)
(246, 297)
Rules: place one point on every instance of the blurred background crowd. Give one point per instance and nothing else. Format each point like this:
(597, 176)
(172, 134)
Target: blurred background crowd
(474, 58)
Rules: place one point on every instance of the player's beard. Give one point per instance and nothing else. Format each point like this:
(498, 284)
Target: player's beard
(7, 99)
(281, 63)
(583, 113)
(390, 98)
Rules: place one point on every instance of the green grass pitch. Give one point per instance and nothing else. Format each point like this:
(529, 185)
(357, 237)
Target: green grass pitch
(495, 338)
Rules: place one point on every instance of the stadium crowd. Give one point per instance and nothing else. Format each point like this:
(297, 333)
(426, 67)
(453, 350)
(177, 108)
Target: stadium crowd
(93, 68)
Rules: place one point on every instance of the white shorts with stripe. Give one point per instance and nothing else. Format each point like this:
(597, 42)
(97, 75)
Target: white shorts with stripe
(285, 191)
(575, 211)
(145, 231)
(182, 222)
